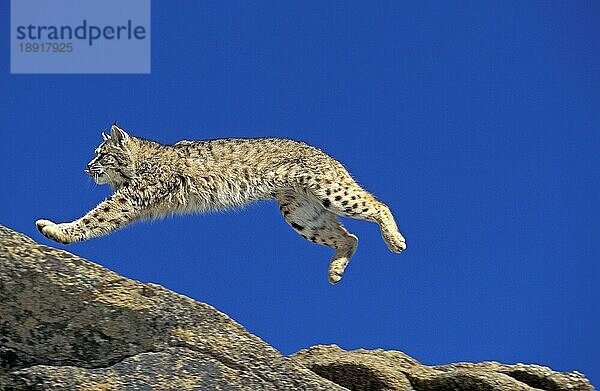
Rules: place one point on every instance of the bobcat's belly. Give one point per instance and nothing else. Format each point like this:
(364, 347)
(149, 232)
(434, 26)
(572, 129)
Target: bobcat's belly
(226, 195)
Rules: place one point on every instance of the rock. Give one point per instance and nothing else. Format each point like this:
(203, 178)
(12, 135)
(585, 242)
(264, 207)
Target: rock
(69, 324)
(392, 370)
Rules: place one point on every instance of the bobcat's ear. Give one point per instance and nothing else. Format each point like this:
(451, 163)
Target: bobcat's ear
(105, 136)
(118, 135)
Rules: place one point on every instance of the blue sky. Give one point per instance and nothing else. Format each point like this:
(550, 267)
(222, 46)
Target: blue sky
(476, 122)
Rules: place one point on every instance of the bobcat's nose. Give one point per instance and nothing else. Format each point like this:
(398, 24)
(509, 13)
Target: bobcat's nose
(88, 170)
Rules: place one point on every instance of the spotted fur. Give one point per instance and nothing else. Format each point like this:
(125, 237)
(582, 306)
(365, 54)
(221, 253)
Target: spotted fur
(152, 180)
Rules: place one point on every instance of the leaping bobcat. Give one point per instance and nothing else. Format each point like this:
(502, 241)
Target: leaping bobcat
(151, 180)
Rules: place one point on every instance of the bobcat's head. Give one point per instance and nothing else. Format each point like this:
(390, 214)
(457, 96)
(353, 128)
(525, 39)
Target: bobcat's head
(112, 163)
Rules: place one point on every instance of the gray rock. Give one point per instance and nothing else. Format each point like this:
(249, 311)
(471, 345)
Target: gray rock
(69, 324)
(392, 370)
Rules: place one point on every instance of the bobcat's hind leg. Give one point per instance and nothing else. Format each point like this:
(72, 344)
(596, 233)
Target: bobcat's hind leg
(389, 230)
(313, 222)
(347, 198)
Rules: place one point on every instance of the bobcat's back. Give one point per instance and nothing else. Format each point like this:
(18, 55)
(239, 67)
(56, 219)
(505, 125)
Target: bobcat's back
(238, 170)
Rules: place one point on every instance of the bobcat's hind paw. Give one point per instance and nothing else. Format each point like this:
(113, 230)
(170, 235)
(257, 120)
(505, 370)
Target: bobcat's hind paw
(336, 268)
(396, 243)
(52, 231)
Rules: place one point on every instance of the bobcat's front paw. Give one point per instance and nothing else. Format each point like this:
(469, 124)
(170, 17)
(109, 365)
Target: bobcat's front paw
(53, 231)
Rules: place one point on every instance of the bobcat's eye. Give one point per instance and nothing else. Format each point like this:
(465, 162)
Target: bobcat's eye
(108, 159)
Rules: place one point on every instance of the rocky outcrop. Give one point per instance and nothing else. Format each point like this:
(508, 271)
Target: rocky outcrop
(392, 370)
(69, 324)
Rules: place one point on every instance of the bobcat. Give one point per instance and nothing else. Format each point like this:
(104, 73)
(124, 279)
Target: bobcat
(152, 180)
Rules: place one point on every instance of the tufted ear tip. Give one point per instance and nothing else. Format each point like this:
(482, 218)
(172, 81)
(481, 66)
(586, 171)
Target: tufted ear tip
(118, 134)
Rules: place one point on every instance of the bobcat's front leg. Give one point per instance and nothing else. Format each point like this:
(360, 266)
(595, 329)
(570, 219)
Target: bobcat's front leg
(111, 214)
